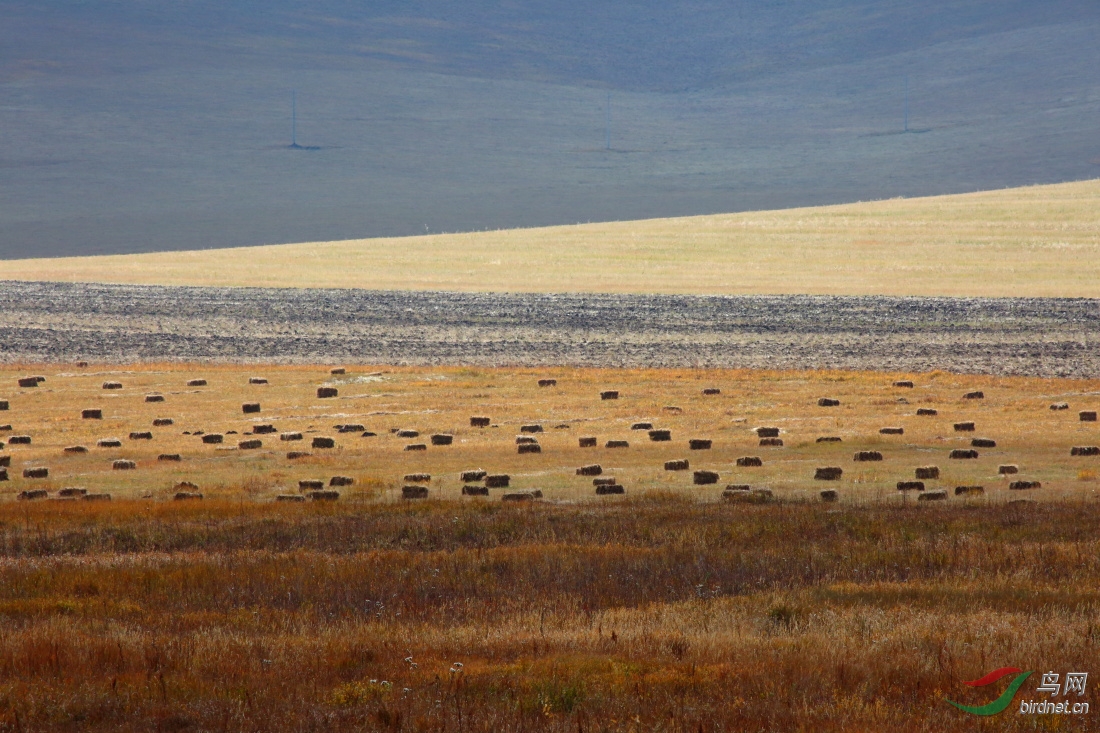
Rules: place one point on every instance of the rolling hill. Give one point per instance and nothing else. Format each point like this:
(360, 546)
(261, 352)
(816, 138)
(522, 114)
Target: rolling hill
(142, 126)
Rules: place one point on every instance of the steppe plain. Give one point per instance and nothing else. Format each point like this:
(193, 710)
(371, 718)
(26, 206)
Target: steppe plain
(666, 608)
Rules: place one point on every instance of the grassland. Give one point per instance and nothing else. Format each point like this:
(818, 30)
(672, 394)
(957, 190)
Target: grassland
(1036, 241)
(666, 609)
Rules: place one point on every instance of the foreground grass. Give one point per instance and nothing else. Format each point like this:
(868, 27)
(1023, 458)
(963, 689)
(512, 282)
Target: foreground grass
(1034, 241)
(652, 614)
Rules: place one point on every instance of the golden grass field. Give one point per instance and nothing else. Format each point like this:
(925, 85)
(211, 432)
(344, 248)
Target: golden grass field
(667, 609)
(1041, 241)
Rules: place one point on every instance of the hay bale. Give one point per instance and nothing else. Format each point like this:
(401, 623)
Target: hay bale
(141, 436)
(213, 438)
(771, 442)
(904, 383)
(352, 427)
(753, 496)
(928, 472)
(479, 422)
(526, 439)
(828, 402)
(338, 370)
(368, 434)
(5, 460)
(891, 431)
(609, 489)
(1087, 415)
(32, 494)
(977, 395)
(36, 472)
(161, 422)
(416, 446)
(1060, 406)
(617, 444)
(325, 495)
(767, 432)
(196, 383)
(962, 454)
(497, 480)
(112, 385)
(414, 492)
(702, 478)
(737, 487)
(72, 491)
(4, 429)
(964, 427)
(660, 436)
(587, 441)
(609, 394)
(290, 436)
(76, 449)
(263, 429)
(257, 380)
(123, 465)
(28, 381)
(518, 496)
(867, 455)
(642, 426)
(4, 405)
(530, 428)
(829, 495)
(250, 407)
(680, 465)
(475, 491)
(154, 398)
(927, 411)
(829, 439)
(529, 448)
(1008, 469)
(341, 481)
(548, 382)
(594, 469)
(828, 473)
(442, 439)
(699, 444)
(969, 490)
(19, 440)
(475, 475)
(322, 442)
(187, 496)
(108, 443)
(408, 433)
(324, 393)
(295, 454)
(417, 478)
(605, 481)
(290, 497)
(250, 444)
(310, 485)
(937, 495)
(983, 443)
(709, 391)
(3, 474)
(91, 414)
(170, 457)
(750, 461)
(910, 486)
(1025, 485)
(1085, 450)
(96, 497)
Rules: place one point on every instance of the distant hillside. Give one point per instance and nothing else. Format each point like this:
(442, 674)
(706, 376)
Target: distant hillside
(143, 125)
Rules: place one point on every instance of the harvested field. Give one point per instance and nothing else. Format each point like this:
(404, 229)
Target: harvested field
(58, 322)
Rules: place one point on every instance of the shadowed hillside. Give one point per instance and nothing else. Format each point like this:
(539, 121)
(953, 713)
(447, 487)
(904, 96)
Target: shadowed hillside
(137, 126)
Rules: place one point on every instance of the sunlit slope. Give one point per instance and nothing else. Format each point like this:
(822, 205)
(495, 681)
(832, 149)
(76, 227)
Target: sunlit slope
(1034, 241)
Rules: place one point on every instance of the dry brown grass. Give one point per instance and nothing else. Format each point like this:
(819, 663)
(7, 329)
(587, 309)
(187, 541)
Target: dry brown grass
(1035, 241)
(665, 610)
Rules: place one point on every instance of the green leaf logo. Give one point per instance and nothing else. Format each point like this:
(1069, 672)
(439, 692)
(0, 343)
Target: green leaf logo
(1001, 702)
